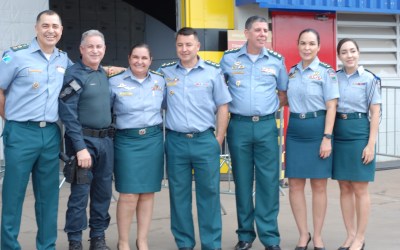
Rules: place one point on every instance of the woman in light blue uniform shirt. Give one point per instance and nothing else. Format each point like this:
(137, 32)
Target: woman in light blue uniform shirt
(137, 95)
(312, 95)
(354, 142)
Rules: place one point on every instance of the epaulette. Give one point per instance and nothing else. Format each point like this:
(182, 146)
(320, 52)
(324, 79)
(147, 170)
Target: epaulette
(168, 64)
(216, 65)
(373, 74)
(19, 47)
(156, 72)
(116, 74)
(274, 54)
(325, 65)
(231, 50)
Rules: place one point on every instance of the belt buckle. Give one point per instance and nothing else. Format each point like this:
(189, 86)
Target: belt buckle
(42, 124)
(189, 136)
(302, 116)
(142, 131)
(255, 118)
(359, 115)
(343, 116)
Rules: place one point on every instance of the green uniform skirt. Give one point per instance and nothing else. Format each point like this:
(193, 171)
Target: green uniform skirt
(303, 141)
(139, 160)
(351, 137)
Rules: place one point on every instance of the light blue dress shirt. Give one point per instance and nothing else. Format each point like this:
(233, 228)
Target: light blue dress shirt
(32, 83)
(137, 104)
(193, 97)
(358, 91)
(253, 85)
(310, 88)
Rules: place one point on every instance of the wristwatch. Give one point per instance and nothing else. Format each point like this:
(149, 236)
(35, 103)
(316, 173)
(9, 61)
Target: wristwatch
(328, 136)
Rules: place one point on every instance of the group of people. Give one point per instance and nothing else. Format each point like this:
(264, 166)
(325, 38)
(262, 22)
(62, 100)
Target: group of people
(114, 126)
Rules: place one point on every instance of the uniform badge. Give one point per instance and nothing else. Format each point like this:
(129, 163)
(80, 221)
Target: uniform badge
(171, 92)
(60, 69)
(125, 93)
(332, 75)
(121, 85)
(35, 85)
(6, 59)
(238, 68)
(268, 70)
(360, 83)
(238, 83)
(172, 81)
(315, 76)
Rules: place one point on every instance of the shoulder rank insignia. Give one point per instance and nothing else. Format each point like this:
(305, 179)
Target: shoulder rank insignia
(216, 65)
(168, 64)
(274, 54)
(19, 47)
(61, 51)
(231, 51)
(116, 74)
(375, 76)
(325, 65)
(157, 73)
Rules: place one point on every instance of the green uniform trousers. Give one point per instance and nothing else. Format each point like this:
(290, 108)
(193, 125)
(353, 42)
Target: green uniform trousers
(254, 151)
(201, 154)
(30, 149)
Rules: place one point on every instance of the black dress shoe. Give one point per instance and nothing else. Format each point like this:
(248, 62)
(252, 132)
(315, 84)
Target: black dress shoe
(273, 247)
(306, 246)
(243, 245)
(343, 248)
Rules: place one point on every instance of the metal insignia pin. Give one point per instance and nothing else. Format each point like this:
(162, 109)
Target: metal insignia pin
(238, 83)
(35, 85)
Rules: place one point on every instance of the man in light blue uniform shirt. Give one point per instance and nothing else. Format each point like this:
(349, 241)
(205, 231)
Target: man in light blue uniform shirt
(254, 73)
(196, 91)
(31, 78)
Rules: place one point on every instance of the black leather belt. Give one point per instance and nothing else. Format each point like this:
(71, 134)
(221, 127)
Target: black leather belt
(254, 118)
(99, 133)
(308, 115)
(355, 115)
(192, 134)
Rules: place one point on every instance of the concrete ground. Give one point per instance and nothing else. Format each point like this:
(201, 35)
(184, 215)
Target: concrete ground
(383, 231)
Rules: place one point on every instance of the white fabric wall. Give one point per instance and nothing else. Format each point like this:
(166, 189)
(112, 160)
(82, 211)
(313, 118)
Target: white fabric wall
(17, 22)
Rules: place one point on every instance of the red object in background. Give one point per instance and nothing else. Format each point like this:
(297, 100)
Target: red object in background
(286, 27)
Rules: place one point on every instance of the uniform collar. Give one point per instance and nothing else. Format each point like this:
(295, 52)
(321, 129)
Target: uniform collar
(313, 66)
(200, 63)
(360, 70)
(128, 74)
(88, 69)
(243, 51)
(34, 46)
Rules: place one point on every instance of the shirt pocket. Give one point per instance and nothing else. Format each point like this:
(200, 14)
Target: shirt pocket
(200, 94)
(314, 88)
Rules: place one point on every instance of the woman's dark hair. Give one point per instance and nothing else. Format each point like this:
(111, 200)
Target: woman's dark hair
(140, 45)
(312, 31)
(345, 40)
